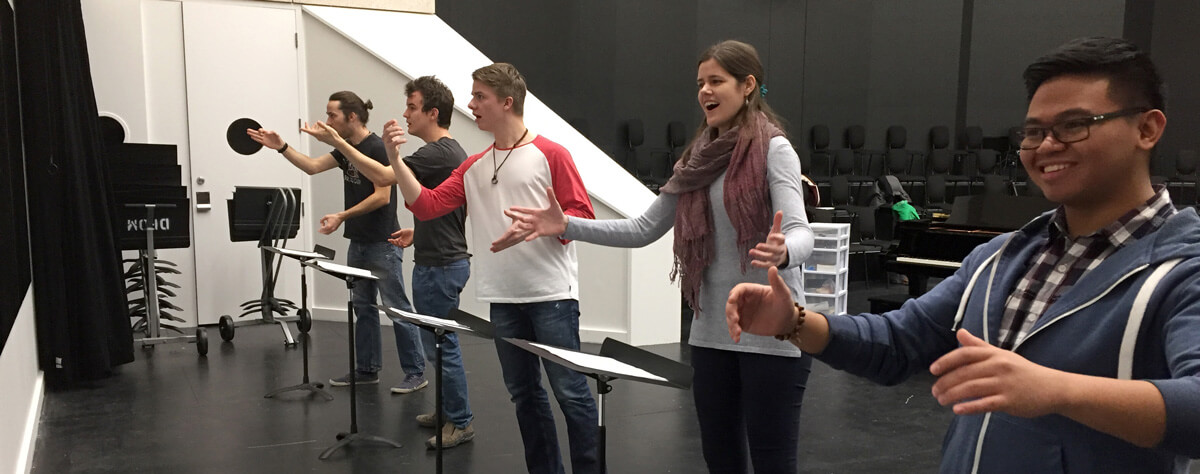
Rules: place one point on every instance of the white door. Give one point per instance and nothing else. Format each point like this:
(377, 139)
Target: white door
(241, 61)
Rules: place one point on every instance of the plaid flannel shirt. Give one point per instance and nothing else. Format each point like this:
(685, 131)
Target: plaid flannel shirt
(1063, 260)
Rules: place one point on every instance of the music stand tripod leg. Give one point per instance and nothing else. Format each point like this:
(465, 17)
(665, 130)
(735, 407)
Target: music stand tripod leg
(602, 388)
(345, 438)
(439, 341)
(306, 384)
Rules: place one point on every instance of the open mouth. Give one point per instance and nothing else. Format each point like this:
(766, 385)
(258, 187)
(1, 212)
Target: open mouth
(1054, 168)
(710, 105)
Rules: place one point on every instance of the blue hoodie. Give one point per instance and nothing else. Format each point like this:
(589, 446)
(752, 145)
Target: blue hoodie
(1081, 333)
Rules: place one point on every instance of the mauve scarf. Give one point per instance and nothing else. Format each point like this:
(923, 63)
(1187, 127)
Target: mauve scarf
(742, 151)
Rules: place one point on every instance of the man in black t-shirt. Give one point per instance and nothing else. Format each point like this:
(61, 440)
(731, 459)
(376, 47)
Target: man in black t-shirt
(442, 262)
(370, 217)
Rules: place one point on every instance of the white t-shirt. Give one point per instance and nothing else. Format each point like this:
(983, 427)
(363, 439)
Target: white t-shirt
(545, 269)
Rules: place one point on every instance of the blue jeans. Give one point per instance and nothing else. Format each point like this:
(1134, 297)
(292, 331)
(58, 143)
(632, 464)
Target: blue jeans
(382, 259)
(435, 293)
(554, 323)
(748, 400)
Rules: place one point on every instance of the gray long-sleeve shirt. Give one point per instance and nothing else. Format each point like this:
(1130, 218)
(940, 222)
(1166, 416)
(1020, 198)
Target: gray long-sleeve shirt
(724, 272)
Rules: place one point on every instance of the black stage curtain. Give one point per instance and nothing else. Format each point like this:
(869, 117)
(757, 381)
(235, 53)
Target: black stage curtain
(14, 233)
(82, 326)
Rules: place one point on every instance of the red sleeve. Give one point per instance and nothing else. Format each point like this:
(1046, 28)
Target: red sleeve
(568, 186)
(448, 196)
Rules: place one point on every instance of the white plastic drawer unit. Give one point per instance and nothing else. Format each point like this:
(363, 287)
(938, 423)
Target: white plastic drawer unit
(824, 283)
(826, 270)
(825, 304)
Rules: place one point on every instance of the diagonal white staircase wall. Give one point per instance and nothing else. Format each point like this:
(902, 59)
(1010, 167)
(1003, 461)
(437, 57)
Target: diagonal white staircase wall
(624, 293)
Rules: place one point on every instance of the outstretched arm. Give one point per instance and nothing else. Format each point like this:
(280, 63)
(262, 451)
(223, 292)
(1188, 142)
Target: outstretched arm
(378, 173)
(393, 137)
(979, 377)
(311, 166)
(381, 197)
(402, 238)
(529, 223)
(769, 311)
(791, 239)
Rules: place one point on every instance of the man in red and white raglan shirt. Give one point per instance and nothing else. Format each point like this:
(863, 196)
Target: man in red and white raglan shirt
(533, 289)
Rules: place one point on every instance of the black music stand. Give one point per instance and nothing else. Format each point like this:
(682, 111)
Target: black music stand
(458, 321)
(352, 276)
(305, 322)
(270, 216)
(616, 360)
(150, 282)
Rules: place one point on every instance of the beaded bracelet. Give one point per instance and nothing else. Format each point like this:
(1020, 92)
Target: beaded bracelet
(795, 332)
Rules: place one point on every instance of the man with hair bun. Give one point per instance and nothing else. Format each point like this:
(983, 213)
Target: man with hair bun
(370, 218)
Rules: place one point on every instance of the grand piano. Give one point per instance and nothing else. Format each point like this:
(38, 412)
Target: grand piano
(929, 248)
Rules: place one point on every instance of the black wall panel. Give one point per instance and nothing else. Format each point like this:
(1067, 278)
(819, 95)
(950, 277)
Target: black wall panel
(785, 70)
(1009, 35)
(913, 68)
(837, 62)
(654, 66)
(869, 62)
(1176, 49)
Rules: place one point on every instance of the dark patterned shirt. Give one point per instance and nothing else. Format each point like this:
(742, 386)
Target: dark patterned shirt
(1063, 260)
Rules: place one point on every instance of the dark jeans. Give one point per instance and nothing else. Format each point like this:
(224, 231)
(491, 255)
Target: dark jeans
(743, 398)
(435, 293)
(554, 323)
(382, 259)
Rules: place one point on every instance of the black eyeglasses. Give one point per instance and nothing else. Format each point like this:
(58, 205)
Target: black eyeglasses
(1070, 131)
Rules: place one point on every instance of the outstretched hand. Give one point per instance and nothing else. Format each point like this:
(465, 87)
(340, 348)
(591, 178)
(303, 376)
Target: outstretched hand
(530, 223)
(322, 132)
(393, 137)
(773, 252)
(979, 377)
(516, 233)
(760, 309)
(402, 238)
(267, 138)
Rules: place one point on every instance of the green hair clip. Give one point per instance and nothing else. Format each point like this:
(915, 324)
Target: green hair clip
(762, 90)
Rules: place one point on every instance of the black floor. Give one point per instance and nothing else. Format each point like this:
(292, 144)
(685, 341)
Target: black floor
(171, 411)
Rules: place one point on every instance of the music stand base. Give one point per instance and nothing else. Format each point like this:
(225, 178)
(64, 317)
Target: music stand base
(311, 387)
(346, 438)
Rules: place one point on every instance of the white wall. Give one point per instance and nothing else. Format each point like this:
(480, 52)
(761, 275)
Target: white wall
(21, 392)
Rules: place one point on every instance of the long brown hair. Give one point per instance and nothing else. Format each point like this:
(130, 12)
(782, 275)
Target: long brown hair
(741, 61)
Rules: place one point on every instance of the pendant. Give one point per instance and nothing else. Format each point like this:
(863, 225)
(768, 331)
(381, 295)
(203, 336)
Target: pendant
(495, 180)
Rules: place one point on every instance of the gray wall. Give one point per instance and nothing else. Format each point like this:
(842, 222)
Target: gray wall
(869, 62)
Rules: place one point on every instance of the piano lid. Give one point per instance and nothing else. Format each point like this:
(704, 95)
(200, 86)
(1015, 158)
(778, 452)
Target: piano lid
(997, 212)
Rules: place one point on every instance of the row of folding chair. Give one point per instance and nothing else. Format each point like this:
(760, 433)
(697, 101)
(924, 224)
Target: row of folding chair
(962, 169)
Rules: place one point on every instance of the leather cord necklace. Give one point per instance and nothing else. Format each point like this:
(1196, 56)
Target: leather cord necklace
(495, 167)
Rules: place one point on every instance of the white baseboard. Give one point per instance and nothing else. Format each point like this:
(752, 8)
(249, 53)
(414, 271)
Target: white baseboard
(29, 440)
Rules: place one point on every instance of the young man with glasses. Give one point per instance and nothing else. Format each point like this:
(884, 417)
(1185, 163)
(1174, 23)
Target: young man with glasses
(1073, 342)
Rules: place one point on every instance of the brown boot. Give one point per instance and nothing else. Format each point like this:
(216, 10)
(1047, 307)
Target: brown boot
(427, 420)
(452, 436)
